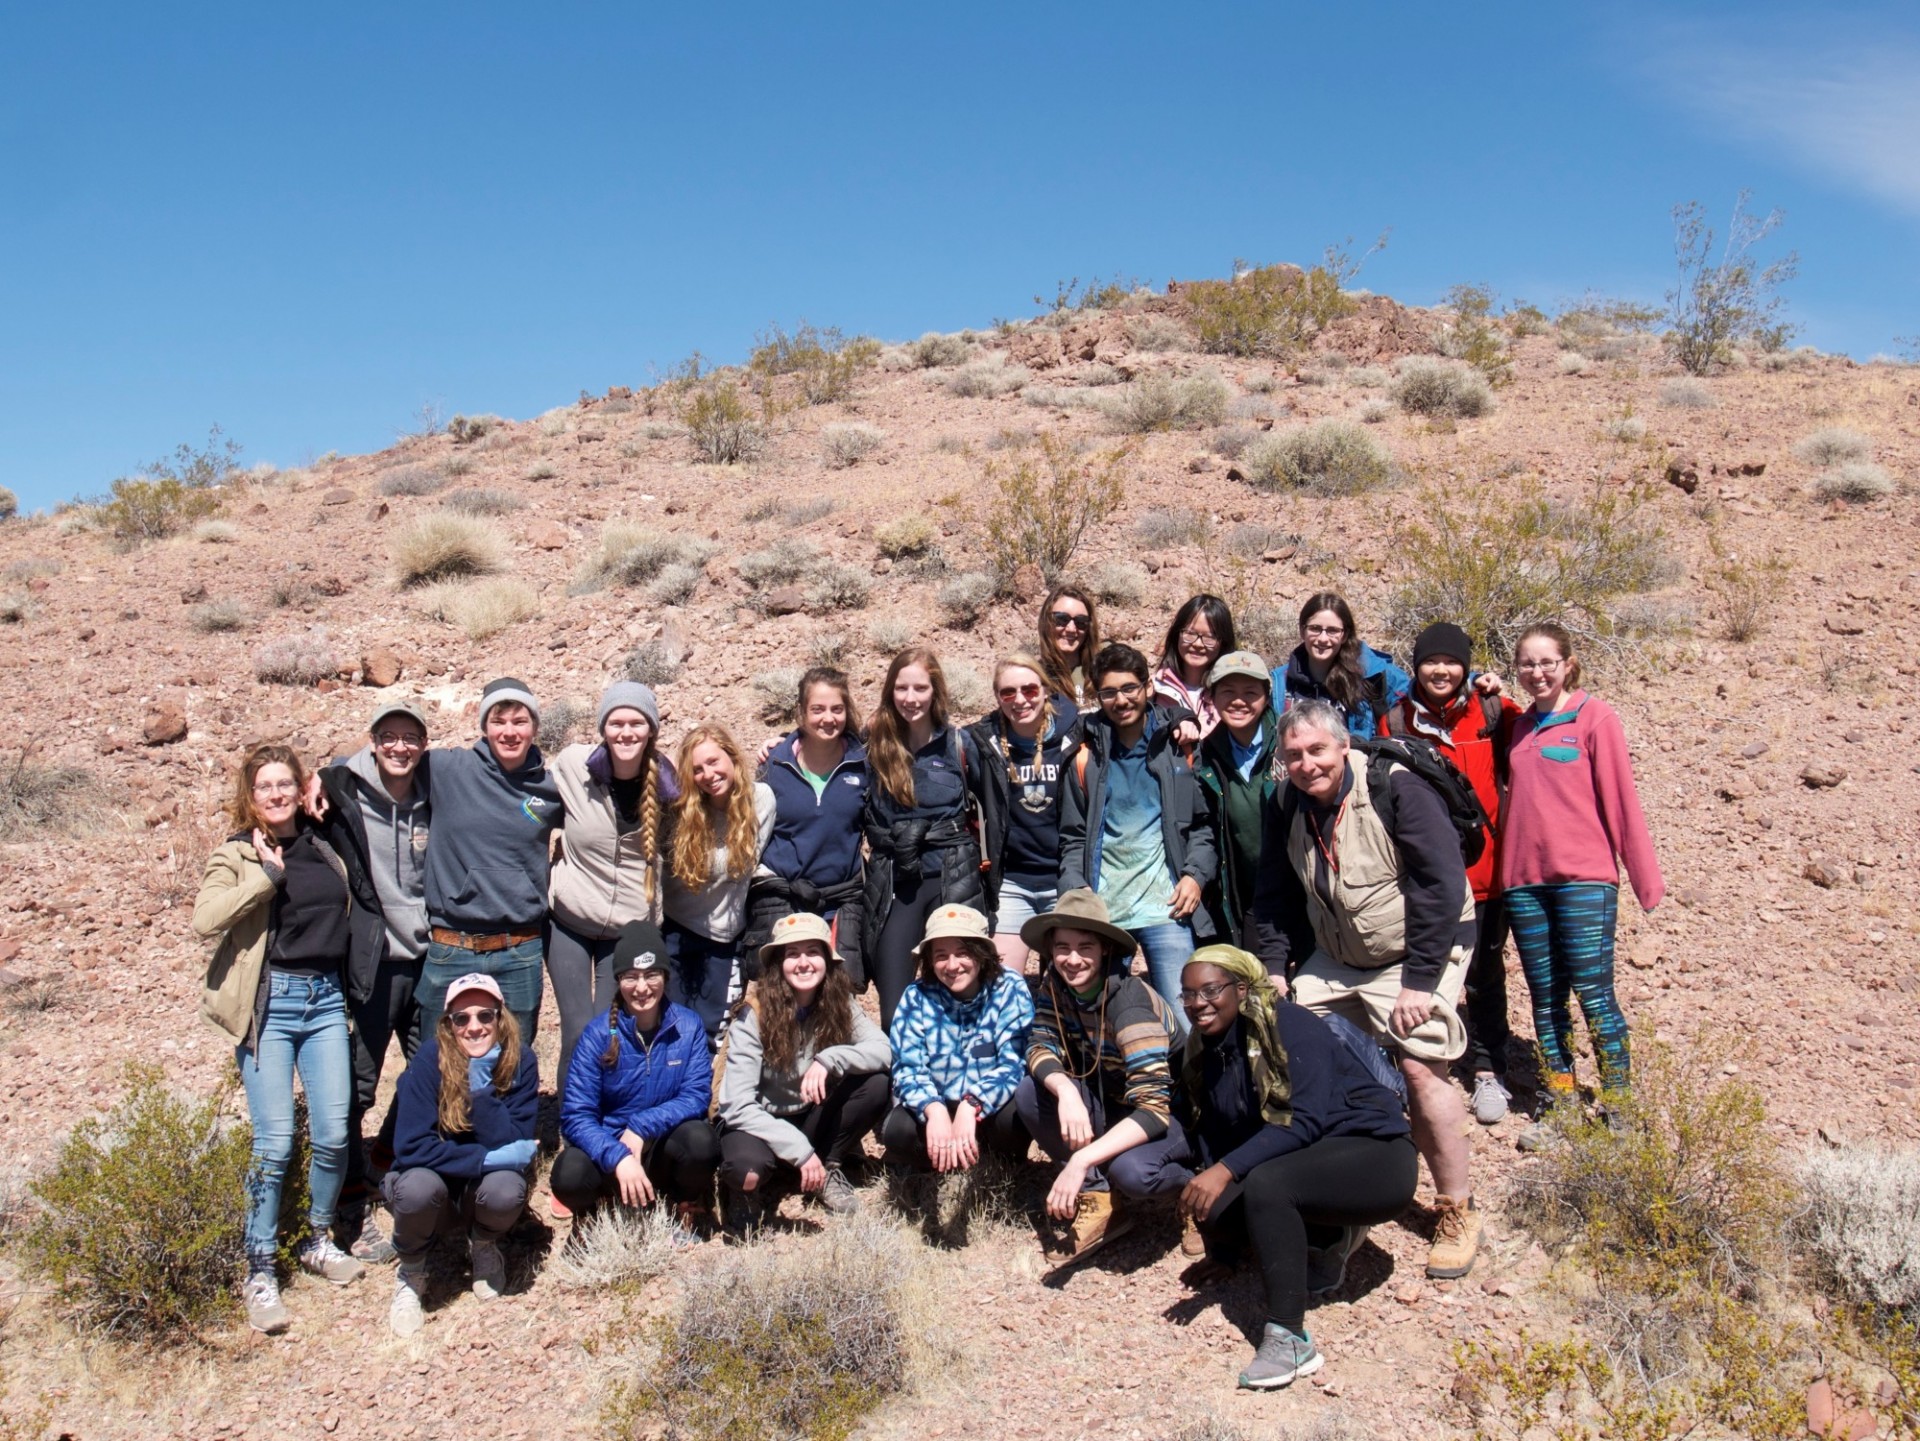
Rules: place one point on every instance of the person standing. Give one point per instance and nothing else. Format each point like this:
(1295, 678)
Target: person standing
(1069, 640)
(1235, 769)
(1201, 632)
(1333, 664)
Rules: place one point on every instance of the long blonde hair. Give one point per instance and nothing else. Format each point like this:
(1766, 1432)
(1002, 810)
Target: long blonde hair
(1020, 660)
(456, 1109)
(888, 759)
(692, 843)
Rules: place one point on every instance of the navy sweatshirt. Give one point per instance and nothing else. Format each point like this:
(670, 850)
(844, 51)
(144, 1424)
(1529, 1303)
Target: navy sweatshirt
(487, 856)
(495, 1120)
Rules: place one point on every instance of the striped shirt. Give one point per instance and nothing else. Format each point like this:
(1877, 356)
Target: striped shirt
(1117, 1043)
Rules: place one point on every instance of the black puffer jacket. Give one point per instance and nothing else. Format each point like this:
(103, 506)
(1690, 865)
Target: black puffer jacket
(933, 836)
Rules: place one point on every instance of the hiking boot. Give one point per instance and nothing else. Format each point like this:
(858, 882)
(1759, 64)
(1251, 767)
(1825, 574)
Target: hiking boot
(1456, 1238)
(837, 1194)
(406, 1316)
(692, 1222)
(489, 1269)
(372, 1247)
(1557, 1102)
(320, 1257)
(265, 1313)
(1327, 1265)
(1489, 1100)
(746, 1213)
(1193, 1245)
(1281, 1358)
(1095, 1222)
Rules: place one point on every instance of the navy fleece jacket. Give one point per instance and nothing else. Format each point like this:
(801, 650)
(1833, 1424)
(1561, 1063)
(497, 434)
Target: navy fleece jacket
(496, 1120)
(487, 856)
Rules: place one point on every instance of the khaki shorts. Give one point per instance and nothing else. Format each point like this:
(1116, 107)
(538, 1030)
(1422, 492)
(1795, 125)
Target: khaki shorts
(1366, 998)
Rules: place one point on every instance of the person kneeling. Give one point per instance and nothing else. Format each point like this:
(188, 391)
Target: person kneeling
(805, 1080)
(1097, 1099)
(462, 1144)
(1303, 1148)
(635, 1111)
(959, 1050)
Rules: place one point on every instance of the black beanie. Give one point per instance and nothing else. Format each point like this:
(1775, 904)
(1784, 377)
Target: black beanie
(1443, 638)
(640, 948)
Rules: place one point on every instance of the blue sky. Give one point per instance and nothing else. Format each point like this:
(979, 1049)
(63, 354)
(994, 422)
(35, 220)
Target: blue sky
(304, 224)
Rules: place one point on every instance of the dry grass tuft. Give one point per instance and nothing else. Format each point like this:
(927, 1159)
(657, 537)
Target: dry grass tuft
(617, 1247)
(849, 444)
(443, 546)
(1425, 386)
(1861, 1225)
(1831, 445)
(1858, 481)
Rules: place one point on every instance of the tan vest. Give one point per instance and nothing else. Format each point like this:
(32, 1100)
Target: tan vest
(1366, 926)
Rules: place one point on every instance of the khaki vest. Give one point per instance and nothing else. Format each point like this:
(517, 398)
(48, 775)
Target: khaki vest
(1366, 926)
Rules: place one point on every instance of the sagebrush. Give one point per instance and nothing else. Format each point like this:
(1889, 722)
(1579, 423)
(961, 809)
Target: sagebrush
(1329, 457)
(1041, 507)
(1425, 386)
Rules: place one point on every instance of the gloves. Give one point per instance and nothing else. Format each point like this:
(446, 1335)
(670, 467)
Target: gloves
(514, 1156)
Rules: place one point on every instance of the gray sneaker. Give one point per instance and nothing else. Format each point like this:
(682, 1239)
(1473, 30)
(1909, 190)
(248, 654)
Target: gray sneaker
(320, 1257)
(1281, 1359)
(265, 1313)
(489, 1270)
(838, 1195)
(1490, 1097)
(406, 1315)
(372, 1247)
(1327, 1266)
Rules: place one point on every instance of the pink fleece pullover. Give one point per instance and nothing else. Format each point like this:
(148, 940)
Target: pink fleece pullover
(1571, 808)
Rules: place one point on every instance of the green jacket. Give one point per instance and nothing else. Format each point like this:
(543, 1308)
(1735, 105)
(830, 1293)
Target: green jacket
(1236, 818)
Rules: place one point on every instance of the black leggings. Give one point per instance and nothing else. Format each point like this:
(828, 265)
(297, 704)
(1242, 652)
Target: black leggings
(680, 1164)
(1487, 1028)
(1301, 1199)
(835, 1127)
(892, 965)
(904, 1137)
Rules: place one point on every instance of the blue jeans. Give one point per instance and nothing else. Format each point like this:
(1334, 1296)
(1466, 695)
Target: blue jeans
(1168, 948)
(1152, 1168)
(516, 969)
(305, 1029)
(701, 977)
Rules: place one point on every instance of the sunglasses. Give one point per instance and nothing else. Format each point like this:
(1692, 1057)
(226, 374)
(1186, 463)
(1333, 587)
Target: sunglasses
(1064, 621)
(1011, 692)
(484, 1016)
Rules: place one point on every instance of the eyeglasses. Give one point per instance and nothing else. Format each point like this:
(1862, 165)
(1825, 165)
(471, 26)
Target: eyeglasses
(276, 788)
(1130, 691)
(1209, 994)
(1540, 665)
(484, 1016)
(1195, 637)
(1012, 692)
(649, 977)
(1331, 631)
(1064, 620)
(399, 740)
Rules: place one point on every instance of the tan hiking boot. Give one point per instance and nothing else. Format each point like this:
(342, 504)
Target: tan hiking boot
(1192, 1243)
(1456, 1238)
(1094, 1224)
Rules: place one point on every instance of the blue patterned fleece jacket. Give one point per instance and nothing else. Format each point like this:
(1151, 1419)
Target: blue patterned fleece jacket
(945, 1049)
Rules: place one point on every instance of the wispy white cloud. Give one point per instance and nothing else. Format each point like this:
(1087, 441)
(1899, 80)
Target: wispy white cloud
(1847, 107)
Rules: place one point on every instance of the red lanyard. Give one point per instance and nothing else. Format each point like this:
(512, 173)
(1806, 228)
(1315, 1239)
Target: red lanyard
(1333, 859)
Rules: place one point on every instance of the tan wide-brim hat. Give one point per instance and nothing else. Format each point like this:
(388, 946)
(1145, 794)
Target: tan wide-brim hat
(960, 922)
(1077, 910)
(790, 930)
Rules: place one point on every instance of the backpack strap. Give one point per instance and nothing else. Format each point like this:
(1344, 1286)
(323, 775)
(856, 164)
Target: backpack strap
(1080, 767)
(1380, 790)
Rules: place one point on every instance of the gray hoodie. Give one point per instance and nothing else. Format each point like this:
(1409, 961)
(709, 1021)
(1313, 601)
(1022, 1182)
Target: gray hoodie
(396, 852)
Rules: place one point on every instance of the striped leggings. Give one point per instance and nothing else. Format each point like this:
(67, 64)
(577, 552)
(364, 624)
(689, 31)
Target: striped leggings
(1564, 934)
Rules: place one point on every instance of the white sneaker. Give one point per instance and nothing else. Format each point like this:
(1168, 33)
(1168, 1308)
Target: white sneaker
(489, 1270)
(405, 1316)
(1489, 1100)
(265, 1313)
(320, 1257)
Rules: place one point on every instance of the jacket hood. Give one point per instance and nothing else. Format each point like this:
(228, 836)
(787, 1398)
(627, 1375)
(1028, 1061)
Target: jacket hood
(600, 771)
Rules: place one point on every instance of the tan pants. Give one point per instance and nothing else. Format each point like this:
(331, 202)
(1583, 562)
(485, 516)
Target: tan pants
(1366, 998)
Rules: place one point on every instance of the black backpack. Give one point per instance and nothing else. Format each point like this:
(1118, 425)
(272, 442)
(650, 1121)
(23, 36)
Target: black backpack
(1427, 761)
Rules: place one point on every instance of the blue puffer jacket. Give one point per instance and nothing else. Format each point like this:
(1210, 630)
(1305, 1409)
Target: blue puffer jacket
(944, 1048)
(1383, 686)
(496, 1120)
(649, 1089)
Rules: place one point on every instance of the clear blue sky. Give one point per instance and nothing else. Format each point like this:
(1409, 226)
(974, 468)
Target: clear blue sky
(304, 223)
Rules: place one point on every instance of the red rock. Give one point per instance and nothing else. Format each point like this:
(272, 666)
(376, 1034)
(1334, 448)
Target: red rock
(548, 535)
(786, 600)
(339, 495)
(1822, 778)
(380, 667)
(165, 724)
(378, 510)
(1683, 473)
(1029, 585)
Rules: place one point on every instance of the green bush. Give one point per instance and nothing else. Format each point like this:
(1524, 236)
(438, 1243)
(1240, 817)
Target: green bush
(155, 509)
(1470, 334)
(1424, 386)
(1167, 402)
(1276, 309)
(465, 429)
(721, 428)
(905, 536)
(1040, 510)
(1329, 457)
(1724, 296)
(826, 362)
(143, 1231)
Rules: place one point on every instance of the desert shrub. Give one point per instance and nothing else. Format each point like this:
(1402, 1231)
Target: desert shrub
(482, 501)
(825, 361)
(845, 445)
(777, 691)
(291, 590)
(30, 568)
(934, 350)
(1572, 362)
(488, 607)
(298, 659)
(1054, 397)
(1724, 296)
(1039, 510)
(721, 428)
(9, 504)
(1373, 410)
(779, 1343)
(15, 607)
(1163, 529)
(617, 1248)
(890, 635)
(38, 799)
(1748, 590)
(1495, 565)
(465, 429)
(214, 616)
(1159, 333)
(675, 584)
(1168, 402)
(1256, 407)
(905, 535)
(1424, 386)
(967, 690)
(1832, 444)
(787, 560)
(653, 662)
(443, 545)
(1252, 541)
(1861, 1223)
(560, 720)
(1627, 429)
(1369, 377)
(142, 1234)
(1330, 457)
(156, 508)
(991, 376)
(1099, 373)
(80, 519)
(1469, 334)
(1115, 582)
(1687, 394)
(1231, 441)
(963, 600)
(1275, 309)
(1858, 481)
(631, 554)
(837, 588)
(411, 480)
(216, 532)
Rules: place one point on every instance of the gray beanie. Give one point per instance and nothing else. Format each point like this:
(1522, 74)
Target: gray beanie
(500, 692)
(627, 694)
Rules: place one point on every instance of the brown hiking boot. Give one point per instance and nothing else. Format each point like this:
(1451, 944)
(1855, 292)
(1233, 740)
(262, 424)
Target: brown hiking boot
(1192, 1244)
(1094, 1224)
(1456, 1238)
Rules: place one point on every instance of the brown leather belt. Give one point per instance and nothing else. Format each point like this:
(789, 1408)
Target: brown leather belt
(498, 941)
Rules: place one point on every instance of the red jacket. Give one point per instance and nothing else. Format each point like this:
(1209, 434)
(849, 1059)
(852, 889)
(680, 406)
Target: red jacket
(1472, 734)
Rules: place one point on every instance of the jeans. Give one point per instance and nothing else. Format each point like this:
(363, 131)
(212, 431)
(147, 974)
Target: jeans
(1018, 903)
(425, 1203)
(581, 969)
(390, 1013)
(701, 977)
(516, 969)
(1564, 934)
(1168, 948)
(305, 1030)
(1153, 1168)
(680, 1165)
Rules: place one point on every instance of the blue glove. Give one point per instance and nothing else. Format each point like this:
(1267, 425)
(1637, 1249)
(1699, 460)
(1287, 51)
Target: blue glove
(514, 1156)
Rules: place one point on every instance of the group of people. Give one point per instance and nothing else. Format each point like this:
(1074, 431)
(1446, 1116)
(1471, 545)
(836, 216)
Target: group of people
(1319, 869)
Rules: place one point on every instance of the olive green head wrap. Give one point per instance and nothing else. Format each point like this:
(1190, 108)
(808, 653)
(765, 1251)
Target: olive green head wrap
(1259, 1033)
